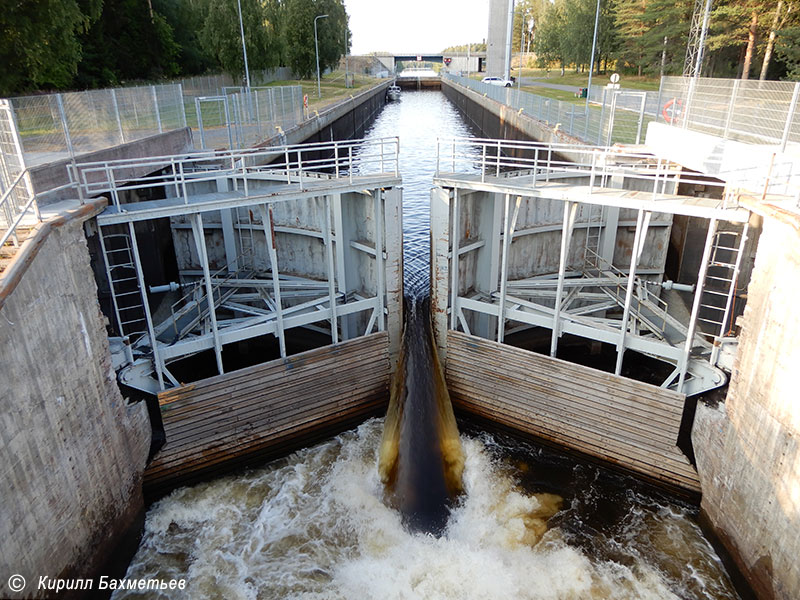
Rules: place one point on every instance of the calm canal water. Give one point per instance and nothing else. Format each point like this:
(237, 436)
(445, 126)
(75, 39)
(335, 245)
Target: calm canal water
(531, 525)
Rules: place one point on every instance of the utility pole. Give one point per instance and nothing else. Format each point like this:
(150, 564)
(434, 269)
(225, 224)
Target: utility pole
(316, 48)
(591, 61)
(244, 48)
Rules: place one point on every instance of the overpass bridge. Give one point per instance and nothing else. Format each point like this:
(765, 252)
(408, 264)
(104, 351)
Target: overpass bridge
(454, 61)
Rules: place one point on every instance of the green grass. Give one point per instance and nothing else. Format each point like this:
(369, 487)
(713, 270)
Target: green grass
(332, 88)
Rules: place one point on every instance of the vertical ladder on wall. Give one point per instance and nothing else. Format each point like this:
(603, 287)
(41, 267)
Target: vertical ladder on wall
(123, 282)
(247, 250)
(594, 230)
(722, 273)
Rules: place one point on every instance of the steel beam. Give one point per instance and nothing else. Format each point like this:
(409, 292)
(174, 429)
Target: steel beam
(266, 220)
(641, 232)
(326, 232)
(380, 274)
(202, 253)
(698, 295)
(570, 212)
(455, 236)
(157, 360)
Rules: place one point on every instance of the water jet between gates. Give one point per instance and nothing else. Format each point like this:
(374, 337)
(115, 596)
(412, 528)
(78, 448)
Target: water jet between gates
(421, 460)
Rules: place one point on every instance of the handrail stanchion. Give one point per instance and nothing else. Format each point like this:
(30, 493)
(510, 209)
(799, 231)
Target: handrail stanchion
(350, 162)
(336, 158)
(498, 159)
(300, 168)
(592, 172)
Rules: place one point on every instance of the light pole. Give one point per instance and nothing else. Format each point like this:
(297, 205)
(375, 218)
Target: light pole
(244, 49)
(316, 47)
(591, 61)
(346, 49)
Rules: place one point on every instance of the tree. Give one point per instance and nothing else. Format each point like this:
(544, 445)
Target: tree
(186, 18)
(39, 42)
(299, 34)
(629, 18)
(129, 41)
(221, 36)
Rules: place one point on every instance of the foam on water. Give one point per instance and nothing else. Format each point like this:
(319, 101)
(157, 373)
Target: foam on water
(314, 526)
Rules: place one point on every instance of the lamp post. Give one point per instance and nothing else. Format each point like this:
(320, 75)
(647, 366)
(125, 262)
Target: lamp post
(591, 61)
(316, 47)
(244, 49)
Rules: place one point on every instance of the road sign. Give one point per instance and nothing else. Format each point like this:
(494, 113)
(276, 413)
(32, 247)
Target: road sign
(615, 78)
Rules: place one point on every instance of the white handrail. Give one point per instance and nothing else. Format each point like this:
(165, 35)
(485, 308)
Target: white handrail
(296, 163)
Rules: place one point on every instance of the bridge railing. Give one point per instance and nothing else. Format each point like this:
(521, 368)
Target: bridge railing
(298, 165)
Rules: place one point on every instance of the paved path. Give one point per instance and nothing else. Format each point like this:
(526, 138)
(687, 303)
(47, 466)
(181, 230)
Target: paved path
(536, 81)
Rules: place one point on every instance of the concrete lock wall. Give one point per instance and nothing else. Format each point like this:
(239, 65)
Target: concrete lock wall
(748, 449)
(72, 449)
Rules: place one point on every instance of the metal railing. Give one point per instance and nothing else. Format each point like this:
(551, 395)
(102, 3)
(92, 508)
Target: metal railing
(17, 203)
(538, 163)
(292, 164)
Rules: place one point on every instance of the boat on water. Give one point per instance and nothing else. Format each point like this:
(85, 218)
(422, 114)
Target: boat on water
(393, 93)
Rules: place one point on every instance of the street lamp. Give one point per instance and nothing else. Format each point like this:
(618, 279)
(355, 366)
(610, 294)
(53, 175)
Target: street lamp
(316, 47)
(244, 49)
(591, 61)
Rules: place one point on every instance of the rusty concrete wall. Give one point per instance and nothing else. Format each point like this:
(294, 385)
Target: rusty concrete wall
(72, 450)
(748, 449)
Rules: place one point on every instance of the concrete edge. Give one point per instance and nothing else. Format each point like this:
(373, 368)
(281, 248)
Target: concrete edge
(24, 257)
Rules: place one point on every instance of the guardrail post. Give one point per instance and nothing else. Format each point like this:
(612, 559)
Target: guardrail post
(116, 114)
(731, 106)
(641, 118)
(602, 116)
(790, 117)
(64, 124)
(155, 108)
(572, 120)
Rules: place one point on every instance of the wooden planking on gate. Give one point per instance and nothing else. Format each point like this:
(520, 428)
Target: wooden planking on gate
(632, 424)
(219, 423)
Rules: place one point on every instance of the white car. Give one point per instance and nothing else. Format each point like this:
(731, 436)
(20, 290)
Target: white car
(497, 81)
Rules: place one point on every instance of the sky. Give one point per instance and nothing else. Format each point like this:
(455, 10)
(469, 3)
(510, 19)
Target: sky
(414, 26)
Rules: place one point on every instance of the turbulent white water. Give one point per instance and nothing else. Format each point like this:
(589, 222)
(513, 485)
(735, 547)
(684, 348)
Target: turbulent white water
(314, 525)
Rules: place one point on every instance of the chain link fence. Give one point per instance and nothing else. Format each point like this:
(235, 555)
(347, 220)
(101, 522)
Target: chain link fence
(239, 118)
(58, 126)
(755, 112)
(612, 115)
(41, 129)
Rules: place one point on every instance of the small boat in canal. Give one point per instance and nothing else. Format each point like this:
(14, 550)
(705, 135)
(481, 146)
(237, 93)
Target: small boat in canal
(393, 93)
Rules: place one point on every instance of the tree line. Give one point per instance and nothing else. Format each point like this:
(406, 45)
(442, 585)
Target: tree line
(746, 38)
(79, 44)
